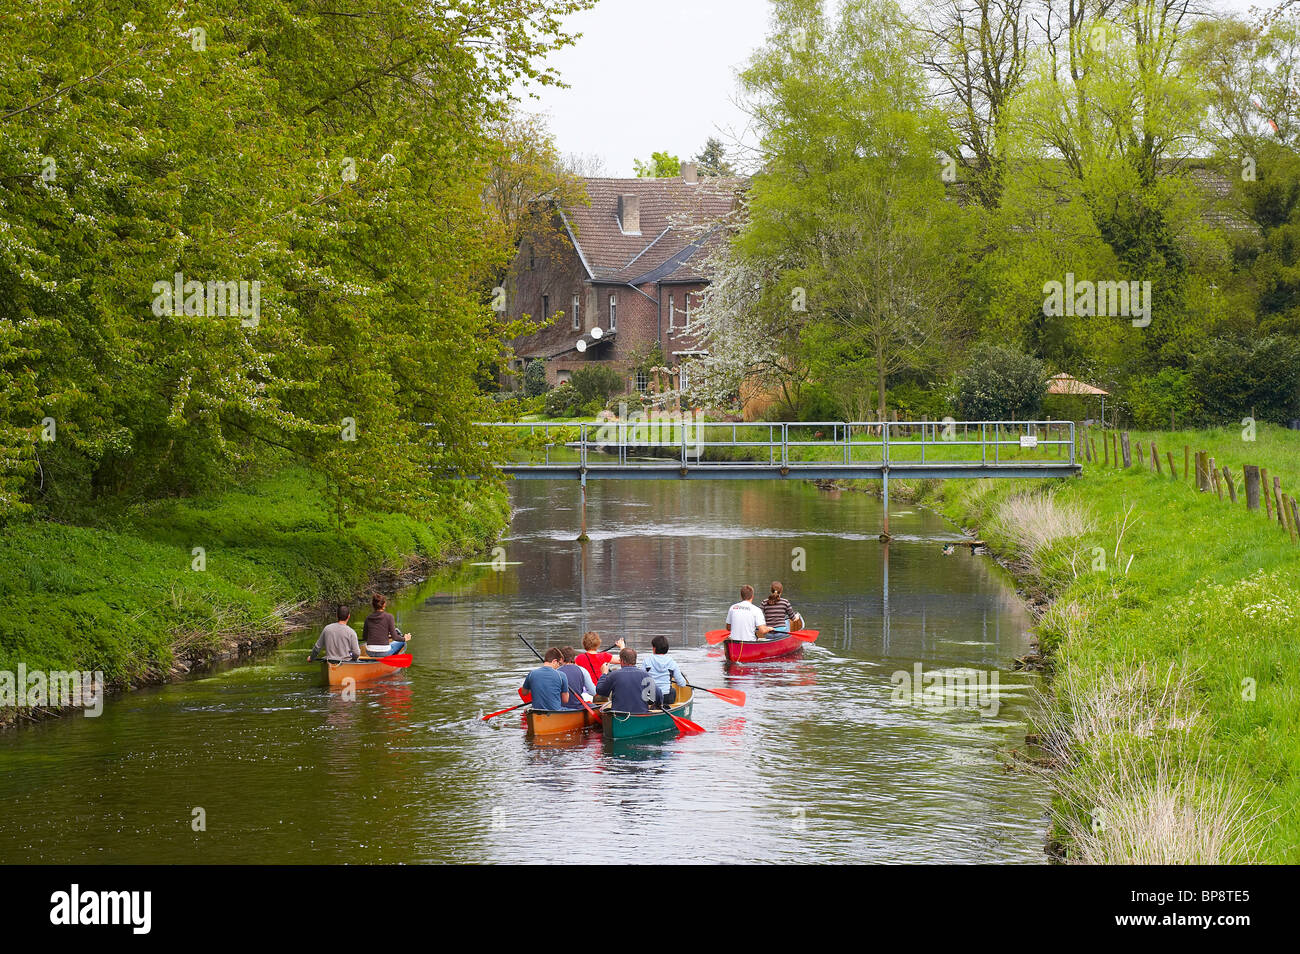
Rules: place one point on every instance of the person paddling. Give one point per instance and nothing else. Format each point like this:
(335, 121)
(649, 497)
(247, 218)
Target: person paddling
(745, 621)
(664, 670)
(380, 630)
(629, 688)
(549, 687)
(591, 660)
(777, 611)
(580, 682)
(338, 640)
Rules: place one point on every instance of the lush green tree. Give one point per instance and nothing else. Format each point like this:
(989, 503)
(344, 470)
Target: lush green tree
(597, 381)
(337, 159)
(535, 378)
(850, 206)
(662, 165)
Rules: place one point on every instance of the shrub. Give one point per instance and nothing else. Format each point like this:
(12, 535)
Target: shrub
(1153, 399)
(596, 382)
(1234, 377)
(562, 400)
(535, 378)
(1000, 384)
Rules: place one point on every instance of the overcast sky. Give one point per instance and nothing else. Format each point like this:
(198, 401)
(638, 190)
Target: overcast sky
(661, 74)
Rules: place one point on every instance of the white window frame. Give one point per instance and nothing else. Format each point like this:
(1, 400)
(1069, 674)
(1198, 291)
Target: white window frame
(686, 306)
(577, 324)
(613, 312)
(683, 377)
(672, 311)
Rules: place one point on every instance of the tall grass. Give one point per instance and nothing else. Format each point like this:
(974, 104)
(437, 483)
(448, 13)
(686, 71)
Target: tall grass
(1173, 632)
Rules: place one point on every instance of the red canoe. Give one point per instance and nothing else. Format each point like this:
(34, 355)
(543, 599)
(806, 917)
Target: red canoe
(754, 650)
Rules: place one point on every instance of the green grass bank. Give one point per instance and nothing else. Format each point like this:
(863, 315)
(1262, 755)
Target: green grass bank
(1173, 730)
(133, 598)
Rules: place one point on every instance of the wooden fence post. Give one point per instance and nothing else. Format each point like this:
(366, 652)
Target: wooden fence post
(1277, 499)
(1295, 517)
(1232, 486)
(1128, 452)
(1288, 506)
(1173, 471)
(1187, 453)
(1105, 448)
(1214, 479)
(1155, 459)
(1268, 498)
(1141, 460)
(1251, 475)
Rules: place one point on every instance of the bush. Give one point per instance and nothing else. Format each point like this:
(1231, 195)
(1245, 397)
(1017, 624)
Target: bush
(1000, 385)
(1235, 377)
(596, 382)
(561, 401)
(1152, 400)
(535, 378)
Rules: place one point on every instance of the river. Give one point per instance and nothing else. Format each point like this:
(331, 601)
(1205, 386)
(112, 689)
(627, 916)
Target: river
(259, 763)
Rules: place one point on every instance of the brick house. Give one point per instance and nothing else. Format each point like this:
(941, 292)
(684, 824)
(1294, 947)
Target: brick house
(629, 264)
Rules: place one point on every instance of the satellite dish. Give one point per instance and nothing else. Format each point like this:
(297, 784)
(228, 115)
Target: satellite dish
(582, 345)
(596, 333)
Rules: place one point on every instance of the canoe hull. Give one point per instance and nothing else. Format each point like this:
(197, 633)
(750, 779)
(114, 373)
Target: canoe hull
(616, 726)
(336, 675)
(756, 650)
(557, 723)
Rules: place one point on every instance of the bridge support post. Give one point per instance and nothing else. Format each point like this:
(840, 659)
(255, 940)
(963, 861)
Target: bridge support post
(884, 480)
(582, 482)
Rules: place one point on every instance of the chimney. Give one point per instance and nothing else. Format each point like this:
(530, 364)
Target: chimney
(629, 213)
(688, 173)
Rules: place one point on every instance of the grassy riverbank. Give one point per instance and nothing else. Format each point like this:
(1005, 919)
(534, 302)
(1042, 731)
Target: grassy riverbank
(134, 599)
(1172, 628)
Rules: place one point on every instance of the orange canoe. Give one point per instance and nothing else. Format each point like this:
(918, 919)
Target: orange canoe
(365, 669)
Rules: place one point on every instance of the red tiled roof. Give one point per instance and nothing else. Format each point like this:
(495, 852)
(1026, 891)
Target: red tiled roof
(674, 215)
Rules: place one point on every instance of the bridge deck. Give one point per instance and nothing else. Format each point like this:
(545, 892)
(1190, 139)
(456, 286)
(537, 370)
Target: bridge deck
(677, 449)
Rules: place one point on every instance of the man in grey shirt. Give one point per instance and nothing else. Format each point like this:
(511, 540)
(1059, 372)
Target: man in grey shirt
(338, 641)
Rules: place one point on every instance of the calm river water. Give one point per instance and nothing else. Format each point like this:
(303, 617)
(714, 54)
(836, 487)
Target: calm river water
(823, 764)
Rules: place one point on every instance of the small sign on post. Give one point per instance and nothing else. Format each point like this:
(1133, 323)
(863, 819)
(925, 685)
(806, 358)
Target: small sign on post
(1028, 440)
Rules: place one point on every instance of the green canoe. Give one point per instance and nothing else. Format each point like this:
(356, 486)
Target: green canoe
(625, 725)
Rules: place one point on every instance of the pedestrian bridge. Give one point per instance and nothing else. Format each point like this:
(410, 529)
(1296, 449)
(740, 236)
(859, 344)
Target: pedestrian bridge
(682, 449)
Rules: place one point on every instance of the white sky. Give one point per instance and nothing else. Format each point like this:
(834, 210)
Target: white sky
(661, 74)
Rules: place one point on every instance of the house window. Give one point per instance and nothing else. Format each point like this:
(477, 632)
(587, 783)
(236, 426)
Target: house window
(562, 376)
(576, 322)
(613, 312)
(686, 306)
(683, 378)
(642, 381)
(672, 312)
(546, 307)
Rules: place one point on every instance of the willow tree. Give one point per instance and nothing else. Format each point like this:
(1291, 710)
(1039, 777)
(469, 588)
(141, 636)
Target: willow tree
(850, 205)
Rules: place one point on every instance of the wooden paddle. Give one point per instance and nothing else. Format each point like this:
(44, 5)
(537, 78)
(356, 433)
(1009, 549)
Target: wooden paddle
(715, 636)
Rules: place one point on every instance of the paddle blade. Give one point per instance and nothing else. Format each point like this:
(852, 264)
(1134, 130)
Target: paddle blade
(715, 636)
(686, 725)
(525, 695)
(734, 696)
(807, 635)
(400, 661)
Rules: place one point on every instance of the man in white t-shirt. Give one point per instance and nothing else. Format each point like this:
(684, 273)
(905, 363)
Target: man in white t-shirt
(745, 621)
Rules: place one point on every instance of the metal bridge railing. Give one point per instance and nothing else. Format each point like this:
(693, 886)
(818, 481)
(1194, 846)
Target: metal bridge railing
(791, 444)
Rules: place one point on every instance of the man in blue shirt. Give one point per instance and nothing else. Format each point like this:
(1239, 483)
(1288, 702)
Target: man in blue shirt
(630, 688)
(548, 685)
